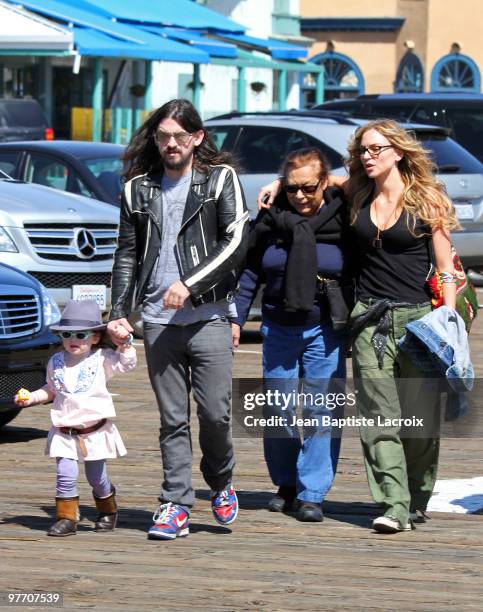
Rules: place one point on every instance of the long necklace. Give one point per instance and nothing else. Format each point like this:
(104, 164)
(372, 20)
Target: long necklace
(377, 242)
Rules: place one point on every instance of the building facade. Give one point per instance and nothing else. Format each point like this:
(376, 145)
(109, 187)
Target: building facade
(123, 60)
(386, 46)
(219, 92)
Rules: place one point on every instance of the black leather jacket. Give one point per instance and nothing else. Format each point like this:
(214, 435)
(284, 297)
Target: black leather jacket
(211, 243)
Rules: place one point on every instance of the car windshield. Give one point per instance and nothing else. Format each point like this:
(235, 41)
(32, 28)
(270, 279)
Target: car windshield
(467, 124)
(97, 165)
(449, 156)
(107, 171)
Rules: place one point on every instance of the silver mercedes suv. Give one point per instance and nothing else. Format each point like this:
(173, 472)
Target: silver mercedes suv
(63, 240)
(262, 140)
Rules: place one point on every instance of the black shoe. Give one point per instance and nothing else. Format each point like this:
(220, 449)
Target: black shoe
(418, 516)
(283, 500)
(310, 512)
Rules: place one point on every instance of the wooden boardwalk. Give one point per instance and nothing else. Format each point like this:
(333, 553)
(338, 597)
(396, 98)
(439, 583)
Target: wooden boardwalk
(265, 561)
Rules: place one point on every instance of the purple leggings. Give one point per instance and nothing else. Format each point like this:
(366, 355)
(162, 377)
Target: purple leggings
(96, 474)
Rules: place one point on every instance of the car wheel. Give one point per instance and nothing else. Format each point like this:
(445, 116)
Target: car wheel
(6, 417)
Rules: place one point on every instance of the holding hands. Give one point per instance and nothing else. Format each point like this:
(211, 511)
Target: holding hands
(119, 331)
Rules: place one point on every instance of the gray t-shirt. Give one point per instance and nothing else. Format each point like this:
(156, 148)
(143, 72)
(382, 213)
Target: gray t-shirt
(166, 269)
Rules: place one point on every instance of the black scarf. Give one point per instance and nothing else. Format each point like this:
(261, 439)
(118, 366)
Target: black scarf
(301, 235)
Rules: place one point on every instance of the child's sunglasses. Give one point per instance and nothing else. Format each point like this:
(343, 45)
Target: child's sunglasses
(78, 335)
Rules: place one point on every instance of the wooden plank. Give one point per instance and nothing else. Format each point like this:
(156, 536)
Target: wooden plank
(265, 561)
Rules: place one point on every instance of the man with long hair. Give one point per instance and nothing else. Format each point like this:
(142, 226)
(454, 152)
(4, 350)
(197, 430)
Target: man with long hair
(181, 244)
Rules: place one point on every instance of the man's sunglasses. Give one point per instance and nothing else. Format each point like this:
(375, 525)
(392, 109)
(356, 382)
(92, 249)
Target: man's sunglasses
(305, 189)
(182, 138)
(78, 335)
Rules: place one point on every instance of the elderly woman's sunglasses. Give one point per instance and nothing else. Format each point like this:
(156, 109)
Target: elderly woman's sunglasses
(305, 189)
(78, 335)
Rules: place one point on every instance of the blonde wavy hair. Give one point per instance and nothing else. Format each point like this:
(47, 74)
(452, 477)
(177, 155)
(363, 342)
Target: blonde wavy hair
(422, 198)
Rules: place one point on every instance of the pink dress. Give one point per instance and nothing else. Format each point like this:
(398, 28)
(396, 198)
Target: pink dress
(82, 399)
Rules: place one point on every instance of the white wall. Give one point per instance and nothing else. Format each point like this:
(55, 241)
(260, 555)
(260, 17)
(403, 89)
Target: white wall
(218, 94)
(165, 76)
(255, 15)
(293, 89)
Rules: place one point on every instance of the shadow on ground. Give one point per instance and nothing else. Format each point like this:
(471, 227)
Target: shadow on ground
(10, 434)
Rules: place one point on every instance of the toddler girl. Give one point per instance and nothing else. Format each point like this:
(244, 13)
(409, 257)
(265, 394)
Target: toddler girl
(81, 413)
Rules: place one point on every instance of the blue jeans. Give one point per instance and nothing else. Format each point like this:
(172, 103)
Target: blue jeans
(308, 360)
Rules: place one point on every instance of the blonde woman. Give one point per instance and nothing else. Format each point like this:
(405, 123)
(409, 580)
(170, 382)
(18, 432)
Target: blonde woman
(396, 207)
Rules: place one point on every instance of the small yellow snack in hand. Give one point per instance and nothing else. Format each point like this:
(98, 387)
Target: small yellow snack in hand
(23, 395)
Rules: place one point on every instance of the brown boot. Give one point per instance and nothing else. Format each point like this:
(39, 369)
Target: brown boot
(107, 508)
(67, 514)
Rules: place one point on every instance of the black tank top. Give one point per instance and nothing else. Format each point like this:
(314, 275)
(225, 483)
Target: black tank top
(397, 271)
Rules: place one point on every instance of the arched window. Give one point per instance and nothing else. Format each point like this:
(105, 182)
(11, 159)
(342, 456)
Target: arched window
(455, 72)
(410, 74)
(342, 78)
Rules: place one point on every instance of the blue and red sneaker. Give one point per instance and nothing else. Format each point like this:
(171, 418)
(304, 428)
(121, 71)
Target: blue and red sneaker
(224, 506)
(170, 522)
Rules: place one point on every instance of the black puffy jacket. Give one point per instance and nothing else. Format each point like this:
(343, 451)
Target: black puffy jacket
(211, 243)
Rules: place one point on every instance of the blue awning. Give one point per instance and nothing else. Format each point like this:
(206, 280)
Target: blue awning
(179, 13)
(85, 5)
(95, 32)
(94, 43)
(278, 49)
(212, 46)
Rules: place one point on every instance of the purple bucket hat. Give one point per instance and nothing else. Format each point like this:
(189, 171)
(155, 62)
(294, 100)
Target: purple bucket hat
(80, 316)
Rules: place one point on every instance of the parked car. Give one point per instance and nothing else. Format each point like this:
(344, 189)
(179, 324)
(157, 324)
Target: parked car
(65, 241)
(26, 311)
(262, 140)
(91, 169)
(23, 119)
(462, 113)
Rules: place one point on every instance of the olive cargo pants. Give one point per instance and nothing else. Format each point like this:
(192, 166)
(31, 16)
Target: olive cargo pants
(401, 462)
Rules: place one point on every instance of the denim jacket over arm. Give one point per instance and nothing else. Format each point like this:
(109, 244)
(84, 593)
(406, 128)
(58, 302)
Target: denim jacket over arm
(438, 342)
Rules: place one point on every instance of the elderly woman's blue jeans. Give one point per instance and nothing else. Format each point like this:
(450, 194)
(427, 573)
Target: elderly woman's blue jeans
(307, 365)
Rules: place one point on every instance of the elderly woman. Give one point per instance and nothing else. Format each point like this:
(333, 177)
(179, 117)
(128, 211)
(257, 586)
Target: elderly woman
(294, 248)
(397, 210)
